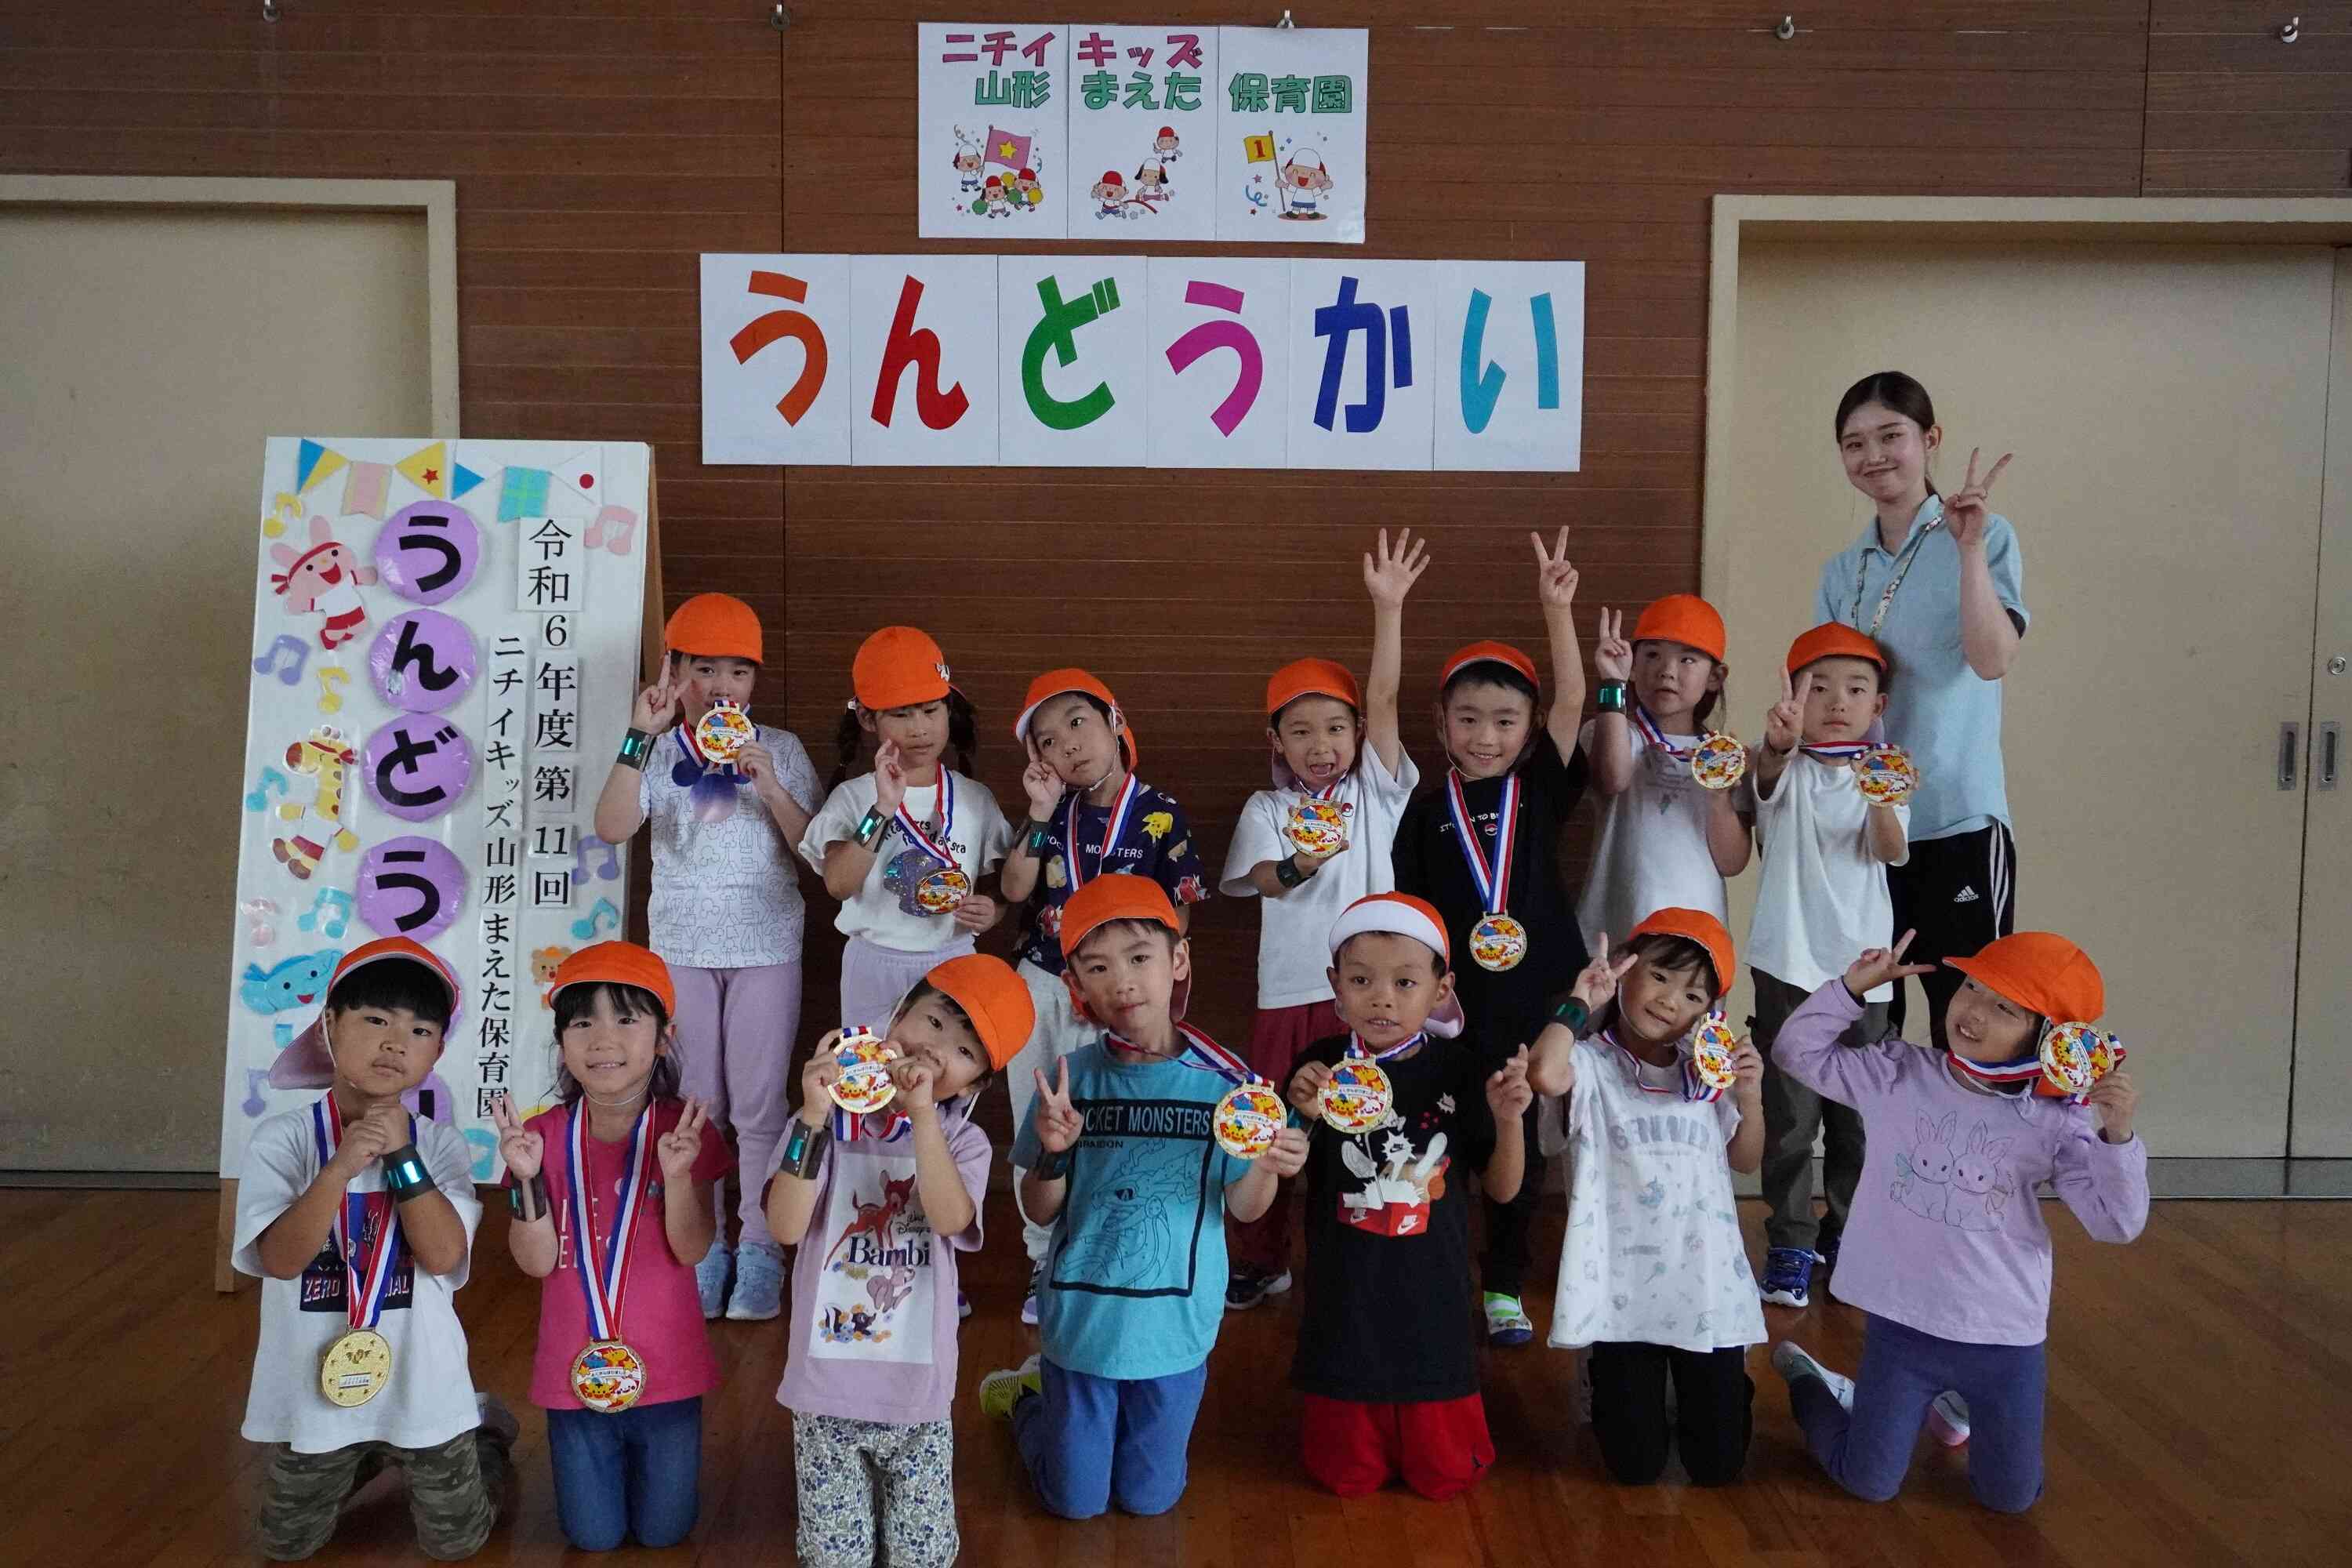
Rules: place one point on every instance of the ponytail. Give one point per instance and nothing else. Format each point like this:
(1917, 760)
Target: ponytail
(963, 730)
(849, 737)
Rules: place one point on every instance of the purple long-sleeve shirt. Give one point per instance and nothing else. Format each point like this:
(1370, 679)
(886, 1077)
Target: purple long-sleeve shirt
(1945, 1235)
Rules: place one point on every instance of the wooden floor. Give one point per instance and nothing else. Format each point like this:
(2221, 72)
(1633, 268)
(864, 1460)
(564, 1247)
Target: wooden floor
(2200, 1411)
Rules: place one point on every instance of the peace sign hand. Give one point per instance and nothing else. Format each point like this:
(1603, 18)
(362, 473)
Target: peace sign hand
(1784, 723)
(682, 1144)
(1612, 656)
(1058, 1124)
(1389, 574)
(1598, 982)
(1556, 579)
(889, 779)
(656, 705)
(1965, 512)
(524, 1152)
(1042, 785)
(1881, 965)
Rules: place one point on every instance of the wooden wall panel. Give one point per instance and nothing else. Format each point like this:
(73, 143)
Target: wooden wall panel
(2235, 111)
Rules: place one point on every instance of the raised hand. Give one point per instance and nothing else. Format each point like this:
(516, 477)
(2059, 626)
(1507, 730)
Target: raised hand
(1596, 984)
(1967, 508)
(1042, 785)
(1389, 575)
(1880, 965)
(1612, 656)
(1556, 578)
(1305, 1091)
(1289, 1155)
(656, 705)
(1784, 722)
(524, 1152)
(1507, 1090)
(817, 1078)
(889, 779)
(1059, 1126)
(682, 1144)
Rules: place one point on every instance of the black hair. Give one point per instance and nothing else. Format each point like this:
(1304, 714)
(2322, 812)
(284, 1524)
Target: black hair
(388, 983)
(1486, 672)
(963, 735)
(1137, 922)
(1273, 719)
(1670, 953)
(1102, 711)
(576, 1002)
(925, 991)
(1876, 668)
(1891, 389)
(1437, 965)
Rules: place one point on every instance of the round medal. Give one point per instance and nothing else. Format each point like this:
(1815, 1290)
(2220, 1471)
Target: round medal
(1885, 775)
(1718, 761)
(724, 731)
(2076, 1055)
(355, 1369)
(942, 891)
(1498, 942)
(1712, 1044)
(1247, 1118)
(608, 1376)
(865, 1082)
(1319, 826)
(1357, 1096)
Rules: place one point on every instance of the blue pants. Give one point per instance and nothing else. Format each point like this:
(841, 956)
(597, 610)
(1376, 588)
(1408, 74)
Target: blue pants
(1903, 1370)
(636, 1473)
(1088, 1442)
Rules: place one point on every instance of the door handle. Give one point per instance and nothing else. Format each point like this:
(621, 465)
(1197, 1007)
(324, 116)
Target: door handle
(2290, 742)
(2331, 743)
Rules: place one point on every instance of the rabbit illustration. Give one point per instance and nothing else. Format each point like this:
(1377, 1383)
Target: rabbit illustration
(1981, 1186)
(1923, 1180)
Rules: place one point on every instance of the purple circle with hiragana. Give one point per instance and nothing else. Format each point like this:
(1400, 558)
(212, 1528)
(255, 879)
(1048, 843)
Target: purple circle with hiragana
(417, 766)
(428, 550)
(412, 887)
(423, 660)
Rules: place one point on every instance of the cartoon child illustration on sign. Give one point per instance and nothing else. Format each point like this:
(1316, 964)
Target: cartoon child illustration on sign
(1151, 181)
(993, 202)
(1026, 192)
(967, 168)
(1110, 193)
(1165, 145)
(326, 577)
(1303, 182)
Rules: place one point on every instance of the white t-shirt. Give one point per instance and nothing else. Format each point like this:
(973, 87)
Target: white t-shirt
(883, 910)
(430, 1398)
(1822, 897)
(1294, 943)
(1653, 853)
(726, 893)
(1652, 1252)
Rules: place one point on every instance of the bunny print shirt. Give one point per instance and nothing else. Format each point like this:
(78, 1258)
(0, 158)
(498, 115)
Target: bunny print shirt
(1946, 1235)
(1653, 1253)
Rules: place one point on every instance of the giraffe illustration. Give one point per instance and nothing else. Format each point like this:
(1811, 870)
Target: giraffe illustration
(325, 755)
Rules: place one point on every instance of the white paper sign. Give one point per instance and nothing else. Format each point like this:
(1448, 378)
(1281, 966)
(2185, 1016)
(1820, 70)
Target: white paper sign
(922, 341)
(1291, 139)
(775, 359)
(1143, 133)
(1072, 380)
(991, 119)
(1509, 362)
(1219, 362)
(1360, 363)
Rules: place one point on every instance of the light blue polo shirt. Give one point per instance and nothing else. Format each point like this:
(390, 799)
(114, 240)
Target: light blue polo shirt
(1938, 709)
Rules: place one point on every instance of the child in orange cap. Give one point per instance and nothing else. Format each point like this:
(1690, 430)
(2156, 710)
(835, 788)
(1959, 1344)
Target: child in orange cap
(1310, 846)
(1484, 849)
(359, 1219)
(1386, 1363)
(610, 1194)
(726, 911)
(907, 846)
(1140, 1189)
(1666, 840)
(879, 1206)
(1948, 1254)
(1652, 1272)
(1088, 815)
(1823, 895)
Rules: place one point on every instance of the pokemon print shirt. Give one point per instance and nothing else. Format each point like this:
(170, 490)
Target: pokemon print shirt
(1135, 1283)
(1946, 1235)
(1387, 1314)
(1156, 842)
(872, 1333)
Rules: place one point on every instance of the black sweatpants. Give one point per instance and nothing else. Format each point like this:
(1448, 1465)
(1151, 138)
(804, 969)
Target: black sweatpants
(1713, 1395)
(1958, 893)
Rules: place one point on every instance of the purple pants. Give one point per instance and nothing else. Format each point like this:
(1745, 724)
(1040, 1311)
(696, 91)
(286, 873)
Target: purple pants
(1903, 1370)
(735, 1030)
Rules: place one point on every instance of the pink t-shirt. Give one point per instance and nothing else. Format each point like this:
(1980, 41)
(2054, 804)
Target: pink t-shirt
(661, 1315)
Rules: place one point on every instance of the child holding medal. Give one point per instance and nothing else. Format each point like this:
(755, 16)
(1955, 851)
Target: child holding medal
(727, 800)
(1948, 1254)
(1124, 1148)
(1088, 815)
(1671, 823)
(880, 1203)
(1482, 849)
(1830, 832)
(611, 1196)
(1385, 1362)
(359, 1219)
(905, 847)
(1663, 1106)
(1310, 846)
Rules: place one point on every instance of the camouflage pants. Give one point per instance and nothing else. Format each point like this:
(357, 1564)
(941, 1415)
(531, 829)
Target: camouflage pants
(453, 1491)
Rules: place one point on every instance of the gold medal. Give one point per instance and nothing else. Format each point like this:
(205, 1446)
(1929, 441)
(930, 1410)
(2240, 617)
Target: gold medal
(942, 891)
(355, 1368)
(1885, 775)
(1357, 1097)
(1498, 942)
(1718, 761)
(724, 731)
(607, 1376)
(864, 1083)
(1247, 1118)
(1319, 826)
(2074, 1056)
(1712, 1044)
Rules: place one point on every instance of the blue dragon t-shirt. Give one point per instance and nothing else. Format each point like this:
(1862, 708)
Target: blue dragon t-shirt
(1135, 1282)
(1155, 842)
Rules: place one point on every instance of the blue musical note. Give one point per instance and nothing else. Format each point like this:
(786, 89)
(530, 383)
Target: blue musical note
(254, 1104)
(599, 915)
(329, 913)
(605, 873)
(291, 675)
(271, 782)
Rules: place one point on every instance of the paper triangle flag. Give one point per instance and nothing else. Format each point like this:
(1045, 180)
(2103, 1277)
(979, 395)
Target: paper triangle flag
(428, 469)
(464, 479)
(522, 493)
(312, 463)
(582, 474)
(367, 489)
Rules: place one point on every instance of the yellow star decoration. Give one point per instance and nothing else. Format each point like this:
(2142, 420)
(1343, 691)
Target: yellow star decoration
(1156, 825)
(1004, 149)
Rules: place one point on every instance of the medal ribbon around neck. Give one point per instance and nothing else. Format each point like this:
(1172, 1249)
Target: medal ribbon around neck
(1114, 829)
(1493, 881)
(1694, 1089)
(1657, 737)
(1196, 1049)
(2025, 1069)
(605, 1282)
(920, 837)
(1902, 570)
(1836, 751)
(849, 1127)
(695, 765)
(363, 1284)
(1355, 1046)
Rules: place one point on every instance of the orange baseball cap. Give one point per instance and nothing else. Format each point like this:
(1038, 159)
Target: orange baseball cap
(1489, 653)
(621, 963)
(308, 1062)
(898, 666)
(2040, 969)
(1311, 677)
(717, 625)
(1684, 618)
(1054, 682)
(1833, 640)
(1701, 927)
(993, 997)
(1121, 896)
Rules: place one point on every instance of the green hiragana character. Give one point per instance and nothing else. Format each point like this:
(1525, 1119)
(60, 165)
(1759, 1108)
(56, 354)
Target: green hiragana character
(1139, 92)
(1183, 91)
(1097, 89)
(1054, 330)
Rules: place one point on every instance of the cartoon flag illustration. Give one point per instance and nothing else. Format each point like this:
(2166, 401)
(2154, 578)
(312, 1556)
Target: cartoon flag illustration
(428, 469)
(1010, 151)
(1258, 149)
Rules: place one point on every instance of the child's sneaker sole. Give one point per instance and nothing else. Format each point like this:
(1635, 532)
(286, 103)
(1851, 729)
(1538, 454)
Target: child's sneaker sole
(1786, 1298)
(1792, 1360)
(1948, 1418)
(1001, 1390)
(1507, 1324)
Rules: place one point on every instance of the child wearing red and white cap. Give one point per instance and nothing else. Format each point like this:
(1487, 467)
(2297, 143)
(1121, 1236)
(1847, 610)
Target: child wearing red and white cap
(1308, 847)
(1947, 1253)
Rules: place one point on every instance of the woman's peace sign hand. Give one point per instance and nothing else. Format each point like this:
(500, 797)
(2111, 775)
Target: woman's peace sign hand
(1965, 511)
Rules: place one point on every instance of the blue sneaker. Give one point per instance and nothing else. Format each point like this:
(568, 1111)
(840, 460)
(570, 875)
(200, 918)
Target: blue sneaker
(711, 1278)
(1506, 1322)
(758, 1288)
(1788, 1277)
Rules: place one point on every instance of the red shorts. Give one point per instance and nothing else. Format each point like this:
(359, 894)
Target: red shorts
(1440, 1446)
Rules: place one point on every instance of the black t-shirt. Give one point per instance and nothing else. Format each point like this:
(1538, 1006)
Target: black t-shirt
(1505, 1009)
(1386, 1318)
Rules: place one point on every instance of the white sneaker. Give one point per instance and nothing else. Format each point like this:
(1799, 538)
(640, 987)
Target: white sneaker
(1948, 1418)
(1791, 1361)
(1029, 1302)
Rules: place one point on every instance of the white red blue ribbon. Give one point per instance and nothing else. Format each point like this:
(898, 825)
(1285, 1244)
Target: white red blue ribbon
(1355, 1046)
(849, 1127)
(1694, 1089)
(919, 835)
(604, 1280)
(1196, 1049)
(1657, 737)
(1492, 880)
(364, 1281)
(1837, 751)
(1114, 829)
(2023, 1070)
